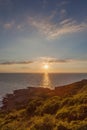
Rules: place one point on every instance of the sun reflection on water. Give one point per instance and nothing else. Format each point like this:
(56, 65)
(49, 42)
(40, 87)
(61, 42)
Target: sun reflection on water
(46, 81)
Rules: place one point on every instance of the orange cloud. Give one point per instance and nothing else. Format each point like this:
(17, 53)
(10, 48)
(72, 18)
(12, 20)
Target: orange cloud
(8, 25)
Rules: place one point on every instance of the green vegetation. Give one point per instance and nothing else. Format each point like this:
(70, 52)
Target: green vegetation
(53, 113)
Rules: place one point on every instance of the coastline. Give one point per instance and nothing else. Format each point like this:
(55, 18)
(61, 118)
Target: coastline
(64, 108)
(21, 97)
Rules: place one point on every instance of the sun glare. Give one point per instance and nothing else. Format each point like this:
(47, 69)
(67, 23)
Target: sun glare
(46, 66)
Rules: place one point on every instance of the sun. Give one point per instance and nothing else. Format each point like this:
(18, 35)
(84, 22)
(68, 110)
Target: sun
(46, 66)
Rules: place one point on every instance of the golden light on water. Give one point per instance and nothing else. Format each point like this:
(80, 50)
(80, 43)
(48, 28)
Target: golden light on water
(47, 81)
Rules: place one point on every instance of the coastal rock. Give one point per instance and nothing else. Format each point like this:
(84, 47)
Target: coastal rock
(20, 98)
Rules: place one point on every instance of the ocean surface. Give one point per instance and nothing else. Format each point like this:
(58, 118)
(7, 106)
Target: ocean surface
(10, 82)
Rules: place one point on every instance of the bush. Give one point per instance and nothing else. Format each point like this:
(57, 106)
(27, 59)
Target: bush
(84, 127)
(47, 122)
(33, 104)
(61, 127)
(77, 99)
(72, 113)
(50, 106)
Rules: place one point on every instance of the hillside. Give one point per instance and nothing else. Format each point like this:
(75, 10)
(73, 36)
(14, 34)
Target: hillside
(64, 108)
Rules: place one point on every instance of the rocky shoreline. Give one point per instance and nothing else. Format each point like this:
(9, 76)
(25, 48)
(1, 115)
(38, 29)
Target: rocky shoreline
(21, 97)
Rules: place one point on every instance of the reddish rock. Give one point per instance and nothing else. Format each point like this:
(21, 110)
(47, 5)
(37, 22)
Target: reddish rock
(20, 98)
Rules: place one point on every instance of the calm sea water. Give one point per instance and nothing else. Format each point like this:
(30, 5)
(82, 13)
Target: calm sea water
(10, 82)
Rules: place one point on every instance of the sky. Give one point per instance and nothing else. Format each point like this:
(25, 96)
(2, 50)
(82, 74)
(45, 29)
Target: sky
(38, 32)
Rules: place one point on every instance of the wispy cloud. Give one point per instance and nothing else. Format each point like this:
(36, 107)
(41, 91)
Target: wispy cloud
(54, 60)
(16, 62)
(54, 30)
(53, 14)
(49, 60)
(45, 25)
(9, 25)
(63, 13)
(14, 25)
(63, 3)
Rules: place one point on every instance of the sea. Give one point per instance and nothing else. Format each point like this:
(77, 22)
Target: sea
(13, 81)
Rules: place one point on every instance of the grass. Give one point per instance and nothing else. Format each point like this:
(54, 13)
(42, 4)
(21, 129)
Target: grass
(54, 113)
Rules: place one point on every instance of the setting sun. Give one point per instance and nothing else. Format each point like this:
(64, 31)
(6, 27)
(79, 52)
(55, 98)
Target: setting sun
(46, 66)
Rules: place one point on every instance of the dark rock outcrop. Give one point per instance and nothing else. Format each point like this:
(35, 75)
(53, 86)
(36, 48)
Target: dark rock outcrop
(20, 98)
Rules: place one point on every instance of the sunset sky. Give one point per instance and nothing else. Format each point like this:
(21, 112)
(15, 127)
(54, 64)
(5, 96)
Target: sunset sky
(34, 33)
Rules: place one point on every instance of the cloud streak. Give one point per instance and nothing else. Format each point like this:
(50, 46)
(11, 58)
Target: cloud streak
(9, 25)
(53, 60)
(49, 60)
(15, 62)
(54, 30)
(46, 27)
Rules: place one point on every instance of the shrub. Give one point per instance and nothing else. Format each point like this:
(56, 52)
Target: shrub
(47, 122)
(61, 127)
(50, 106)
(84, 127)
(33, 104)
(72, 113)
